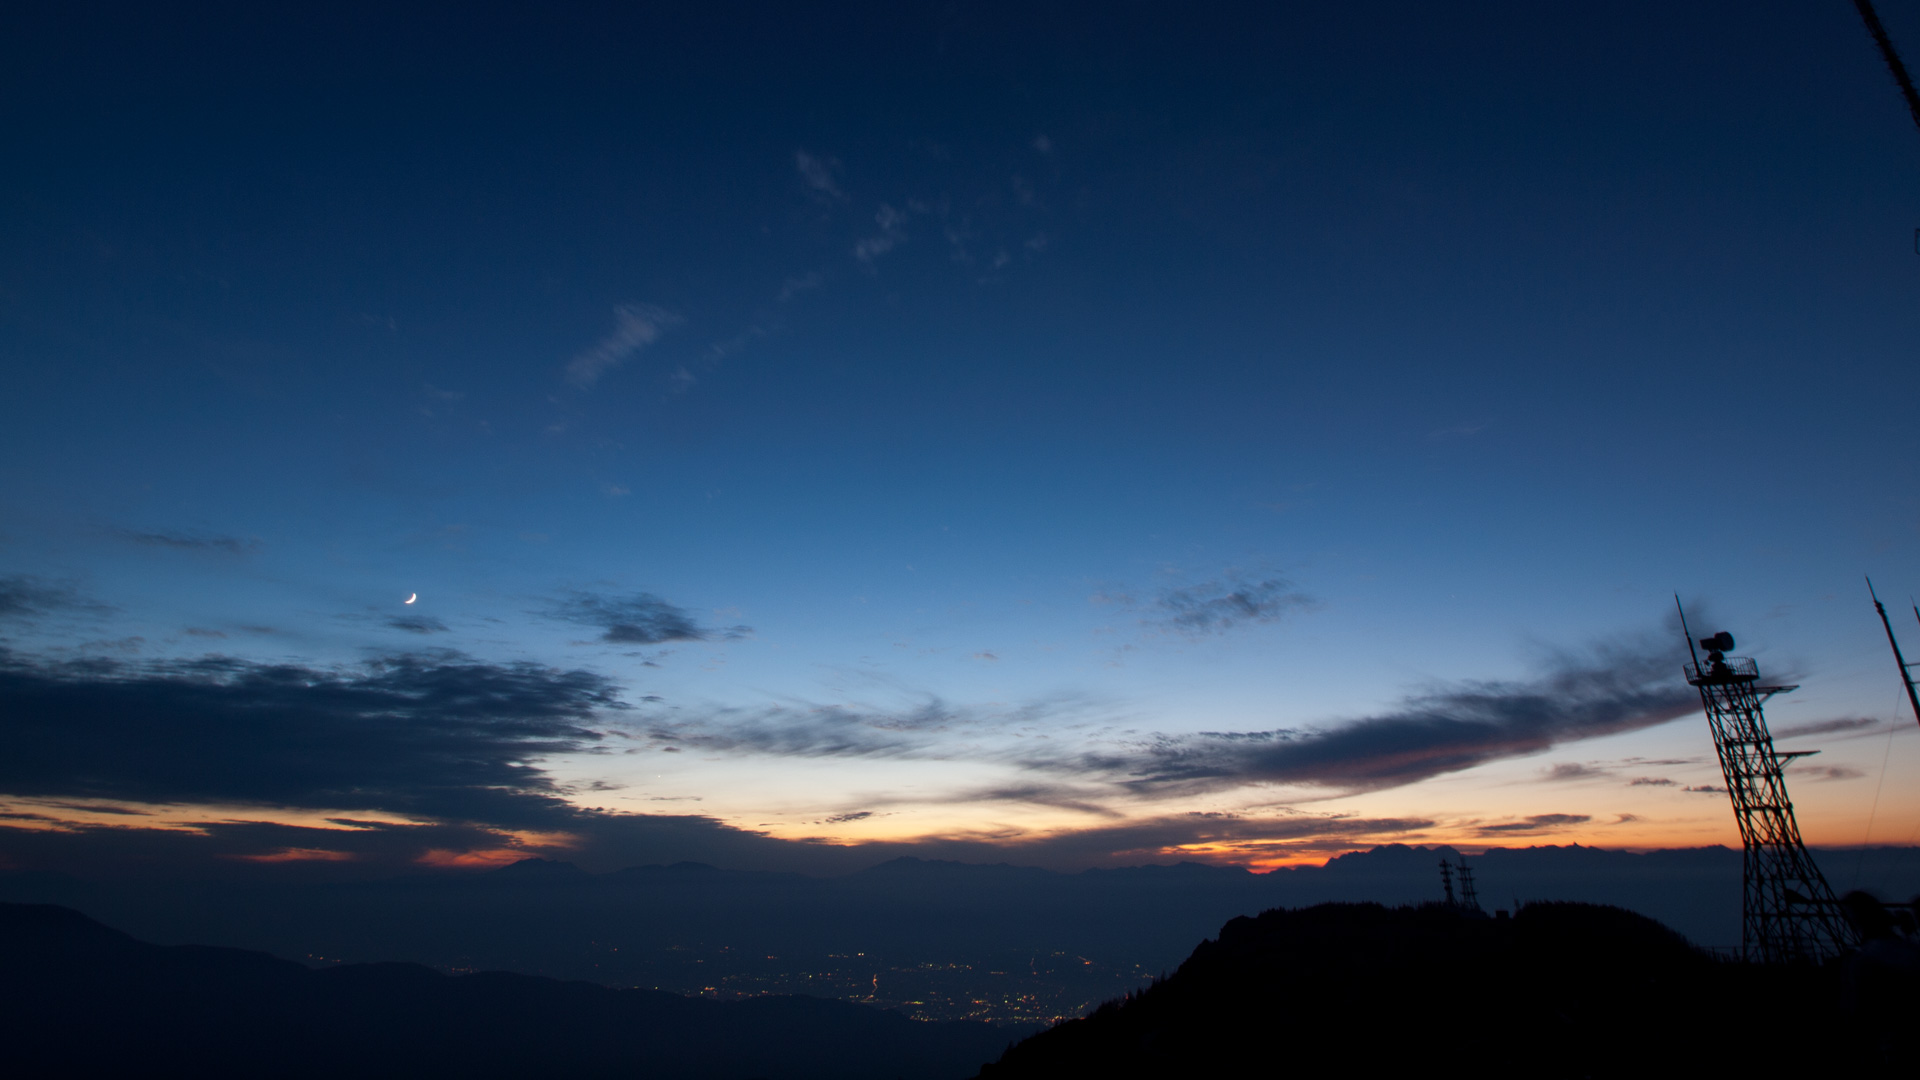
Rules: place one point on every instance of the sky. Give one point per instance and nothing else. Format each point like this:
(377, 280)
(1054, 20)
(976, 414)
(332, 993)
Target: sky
(795, 435)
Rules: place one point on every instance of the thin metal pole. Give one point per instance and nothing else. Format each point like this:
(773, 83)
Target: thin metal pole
(1906, 673)
(1887, 53)
(1691, 651)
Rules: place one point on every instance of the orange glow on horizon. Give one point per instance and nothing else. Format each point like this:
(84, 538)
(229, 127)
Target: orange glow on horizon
(298, 855)
(489, 858)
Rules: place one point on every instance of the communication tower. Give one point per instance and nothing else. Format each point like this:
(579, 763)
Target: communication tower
(1446, 879)
(1788, 912)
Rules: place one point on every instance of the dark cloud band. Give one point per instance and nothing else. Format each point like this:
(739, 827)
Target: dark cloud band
(443, 736)
(1445, 731)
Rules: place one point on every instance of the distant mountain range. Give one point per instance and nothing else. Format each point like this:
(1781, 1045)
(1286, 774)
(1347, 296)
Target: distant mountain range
(935, 940)
(82, 1000)
(1557, 990)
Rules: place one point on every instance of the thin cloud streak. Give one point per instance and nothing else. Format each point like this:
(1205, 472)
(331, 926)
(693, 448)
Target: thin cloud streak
(26, 596)
(1210, 835)
(1615, 689)
(1538, 823)
(817, 173)
(1218, 606)
(1838, 725)
(228, 545)
(929, 729)
(639, 619)
(1571, 770)
(636, 326)
(1611, 690)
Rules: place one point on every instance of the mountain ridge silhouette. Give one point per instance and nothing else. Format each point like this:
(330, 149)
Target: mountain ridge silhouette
(943, 936)
(84, 999)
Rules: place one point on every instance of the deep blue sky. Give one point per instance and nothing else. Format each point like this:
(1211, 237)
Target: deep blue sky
(1108, 374)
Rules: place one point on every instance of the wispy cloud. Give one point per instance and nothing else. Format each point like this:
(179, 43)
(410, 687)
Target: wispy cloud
(635, 326)
(1538, 823)
(1573, 770)
(639, 619)
(925, 726)
(418, 624)
(892, 232)
(225, 545)
(1823, 773)
(1834, 726)
(25, 595)
(1240, 835)
(798, 284)
(1218, 606)
(842, 731)
(818, 174)
(1080, 798)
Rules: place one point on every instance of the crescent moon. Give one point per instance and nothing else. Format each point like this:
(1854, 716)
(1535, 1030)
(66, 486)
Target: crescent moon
(410, 599)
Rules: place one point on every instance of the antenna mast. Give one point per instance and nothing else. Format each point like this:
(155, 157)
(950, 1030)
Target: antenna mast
(1897, 69)
(1900, 78)
(1906, 669)
(1788, 913)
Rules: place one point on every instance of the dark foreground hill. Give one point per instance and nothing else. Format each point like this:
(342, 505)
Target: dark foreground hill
(80, 999)
(1560, 989)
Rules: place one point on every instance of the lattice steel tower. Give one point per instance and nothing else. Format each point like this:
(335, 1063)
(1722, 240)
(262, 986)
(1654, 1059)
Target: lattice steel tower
(1469, 896)
(1788, 912)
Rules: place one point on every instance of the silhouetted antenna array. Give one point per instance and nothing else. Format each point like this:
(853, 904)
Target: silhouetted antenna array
(1788, 914)
(1906, 669)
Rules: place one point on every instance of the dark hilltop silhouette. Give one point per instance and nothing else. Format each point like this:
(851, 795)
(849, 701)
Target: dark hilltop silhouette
(83, 1000)
(1559, 989)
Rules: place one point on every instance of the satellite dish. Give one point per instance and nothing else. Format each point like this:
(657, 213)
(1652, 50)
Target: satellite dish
(1720, 642)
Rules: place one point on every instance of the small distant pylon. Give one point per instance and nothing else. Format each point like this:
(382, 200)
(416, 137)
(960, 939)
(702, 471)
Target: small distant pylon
(1788, 913)
(1469, 898)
